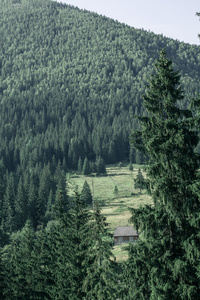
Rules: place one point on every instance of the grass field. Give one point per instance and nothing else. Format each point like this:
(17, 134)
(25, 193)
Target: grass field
(114, 205)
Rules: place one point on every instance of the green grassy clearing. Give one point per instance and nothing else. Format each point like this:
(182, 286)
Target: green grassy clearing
(114, 206)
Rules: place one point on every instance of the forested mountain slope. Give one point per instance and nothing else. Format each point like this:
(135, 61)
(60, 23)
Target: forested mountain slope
(70, 83)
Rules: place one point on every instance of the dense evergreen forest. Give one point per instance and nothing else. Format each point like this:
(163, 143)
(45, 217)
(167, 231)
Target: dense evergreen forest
(71, 82)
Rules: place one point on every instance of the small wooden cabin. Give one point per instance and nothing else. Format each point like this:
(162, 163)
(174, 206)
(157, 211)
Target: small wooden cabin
(125, 234)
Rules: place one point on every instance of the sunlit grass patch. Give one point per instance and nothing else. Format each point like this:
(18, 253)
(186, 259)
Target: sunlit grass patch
(121, 252)
(114, 206)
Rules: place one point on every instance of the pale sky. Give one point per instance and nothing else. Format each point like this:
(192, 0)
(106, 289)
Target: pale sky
(172, 18)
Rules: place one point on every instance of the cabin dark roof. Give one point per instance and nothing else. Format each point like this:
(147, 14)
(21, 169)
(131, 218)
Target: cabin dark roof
(125, 231)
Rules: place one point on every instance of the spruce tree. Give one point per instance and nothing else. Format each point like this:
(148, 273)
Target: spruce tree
(58, 253)
(132, 155)
(45, 254)
(68, 244)
(21, 206)
(45, 186)
(49, 210)
(130, 167)
(86, 194)
(20, 268)
(54, 251)
(2, 275)
(79, 165)
(32, 203)
(100, 165)
(3, 240)
(8, 210)
(139, 157)
(139, 181)
(100, 281)
(165, 263)
(86, 167)
(79, 217)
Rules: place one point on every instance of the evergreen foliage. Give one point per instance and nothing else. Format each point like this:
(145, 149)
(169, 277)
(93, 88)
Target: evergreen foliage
(130, 167)
(86, 167)
(59, 254)
(139, 157)
(69, 245)
(100, 165)
(70, 82)
(116, 191)
(86, 194)
(80, 165)
(139, 181)
(165, 263)
(3, 242)
(20, 268)
(69, 259)
(101, 280)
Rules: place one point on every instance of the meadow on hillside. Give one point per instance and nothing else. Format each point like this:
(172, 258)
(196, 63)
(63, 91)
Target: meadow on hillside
(114, 205)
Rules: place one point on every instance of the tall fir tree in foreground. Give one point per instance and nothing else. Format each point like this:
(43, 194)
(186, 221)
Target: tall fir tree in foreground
(165, 263)
(63, 272)
(69, 241)
(100, 281)
(79, 218)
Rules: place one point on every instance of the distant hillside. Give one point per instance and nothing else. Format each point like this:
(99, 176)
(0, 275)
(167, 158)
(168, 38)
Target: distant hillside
(71, 82)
